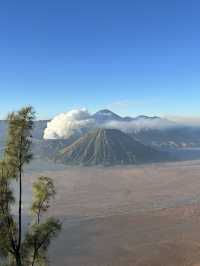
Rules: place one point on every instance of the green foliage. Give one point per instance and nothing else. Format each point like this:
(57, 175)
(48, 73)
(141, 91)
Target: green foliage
(38, 239)
(43, 191)
(7, 225)
(19, 140)
(14, 248)
(6, 194)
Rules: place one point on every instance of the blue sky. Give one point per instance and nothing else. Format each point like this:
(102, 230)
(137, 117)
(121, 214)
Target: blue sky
(134, 57)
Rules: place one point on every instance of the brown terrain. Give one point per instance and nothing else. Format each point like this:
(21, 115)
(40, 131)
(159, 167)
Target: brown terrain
(139, 216)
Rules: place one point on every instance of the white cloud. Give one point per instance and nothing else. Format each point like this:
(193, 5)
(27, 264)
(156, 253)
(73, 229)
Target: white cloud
(66, 124)
(185, 120)
(78, 121)
(140, 124)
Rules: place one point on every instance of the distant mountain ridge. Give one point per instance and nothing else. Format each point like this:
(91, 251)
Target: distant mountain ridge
(175, 137)
(106, 115)
(169, 136)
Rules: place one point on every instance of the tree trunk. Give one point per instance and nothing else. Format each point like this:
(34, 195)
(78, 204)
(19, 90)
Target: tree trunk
(20, 209)
(18, 259)
(18, 254)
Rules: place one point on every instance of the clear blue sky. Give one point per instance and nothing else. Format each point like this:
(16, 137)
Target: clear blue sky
(136, 56)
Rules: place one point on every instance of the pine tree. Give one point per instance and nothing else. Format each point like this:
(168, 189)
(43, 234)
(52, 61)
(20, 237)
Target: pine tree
(16, 249)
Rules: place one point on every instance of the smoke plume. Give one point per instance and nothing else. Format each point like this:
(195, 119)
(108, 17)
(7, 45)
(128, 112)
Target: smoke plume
(64, 125)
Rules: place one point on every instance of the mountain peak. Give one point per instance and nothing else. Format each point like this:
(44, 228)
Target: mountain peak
(105, 115)
(106, 147)
(106, 112)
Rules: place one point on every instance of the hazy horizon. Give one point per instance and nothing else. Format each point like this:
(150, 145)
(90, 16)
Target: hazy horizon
(180, 119)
